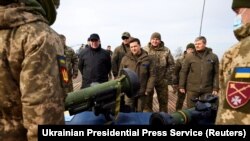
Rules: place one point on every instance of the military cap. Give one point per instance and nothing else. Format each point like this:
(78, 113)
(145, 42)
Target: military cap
(94, 36)
(126, 34)
(241, 4)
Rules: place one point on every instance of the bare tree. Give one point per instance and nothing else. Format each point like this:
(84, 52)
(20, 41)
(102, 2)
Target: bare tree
(178, 52)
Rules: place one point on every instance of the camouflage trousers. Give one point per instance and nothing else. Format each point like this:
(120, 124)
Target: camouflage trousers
(12, 132)
(161, 88)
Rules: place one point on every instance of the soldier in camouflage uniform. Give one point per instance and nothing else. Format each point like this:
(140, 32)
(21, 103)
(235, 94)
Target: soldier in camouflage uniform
(71, 63)
(119, 52)
(234, 107)
(31, 57)
(117, 56)
(164, 66)
(181, 96)
(138, 61)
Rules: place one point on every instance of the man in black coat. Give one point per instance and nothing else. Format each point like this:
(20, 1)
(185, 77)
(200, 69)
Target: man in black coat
(94, 63)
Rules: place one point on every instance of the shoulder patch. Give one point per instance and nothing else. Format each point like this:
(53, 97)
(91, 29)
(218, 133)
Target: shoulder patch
(237, 94)
(63, 70)
(242, 72)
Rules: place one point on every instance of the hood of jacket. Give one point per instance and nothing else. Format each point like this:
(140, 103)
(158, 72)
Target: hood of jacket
(17, 14)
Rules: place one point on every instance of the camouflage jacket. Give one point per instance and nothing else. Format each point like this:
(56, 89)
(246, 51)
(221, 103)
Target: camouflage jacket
(163, 60)
(31, 93)
(144, 68)
(235, 88)
(200, 74)
(117, 56)
(71, 61)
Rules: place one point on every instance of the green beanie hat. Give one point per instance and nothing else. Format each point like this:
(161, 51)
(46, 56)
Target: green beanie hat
(241, 4)
(190, 45)
(156, 35)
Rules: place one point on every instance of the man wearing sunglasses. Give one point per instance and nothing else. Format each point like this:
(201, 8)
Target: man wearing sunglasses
(117, 56)
(119, 52)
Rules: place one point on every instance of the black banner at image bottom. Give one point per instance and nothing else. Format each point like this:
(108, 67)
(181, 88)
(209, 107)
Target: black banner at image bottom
(52, 132)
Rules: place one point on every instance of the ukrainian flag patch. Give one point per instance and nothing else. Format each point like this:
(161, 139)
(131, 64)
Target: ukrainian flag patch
(242, 72)
(63, 70)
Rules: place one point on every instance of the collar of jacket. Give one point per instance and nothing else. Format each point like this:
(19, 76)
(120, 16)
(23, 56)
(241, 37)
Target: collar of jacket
(95, 49)
(143, 55)
(206, 51)
(159, 48)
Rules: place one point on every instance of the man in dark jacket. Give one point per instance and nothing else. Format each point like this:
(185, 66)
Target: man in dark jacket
(109, 50)
(181, 96)
(138, 61)
(94, 63)
(199, 74)
(119, 52)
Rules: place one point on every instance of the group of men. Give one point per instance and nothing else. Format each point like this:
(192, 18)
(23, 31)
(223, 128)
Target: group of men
(195, 74)
(95, 65)
(33, 63)
(151, 63)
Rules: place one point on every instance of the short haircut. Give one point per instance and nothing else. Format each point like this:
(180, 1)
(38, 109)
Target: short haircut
(204, 40)
(135, 40)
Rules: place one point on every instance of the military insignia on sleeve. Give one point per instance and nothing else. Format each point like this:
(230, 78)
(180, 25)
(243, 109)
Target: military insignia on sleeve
(237, 93)
(242, 72)
(63, 70)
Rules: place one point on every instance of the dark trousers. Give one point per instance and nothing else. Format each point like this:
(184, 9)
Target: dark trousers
(180, 100)
(194, 95)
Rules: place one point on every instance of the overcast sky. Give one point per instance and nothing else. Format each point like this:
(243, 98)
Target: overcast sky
(178, 21)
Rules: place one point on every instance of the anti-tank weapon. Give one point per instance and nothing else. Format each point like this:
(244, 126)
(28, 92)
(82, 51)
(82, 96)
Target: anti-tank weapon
(103, 98)
(204, 112)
